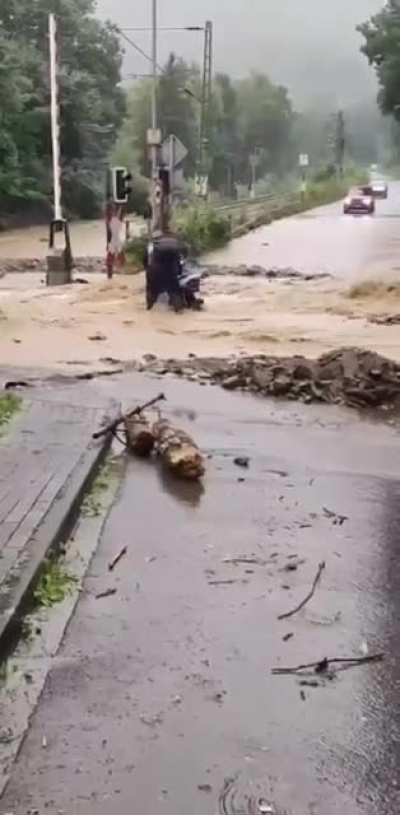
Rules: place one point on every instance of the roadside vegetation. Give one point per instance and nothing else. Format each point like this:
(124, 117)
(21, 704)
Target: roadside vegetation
(54, 585)
(92, 505)
(200, 227)
(9, 406)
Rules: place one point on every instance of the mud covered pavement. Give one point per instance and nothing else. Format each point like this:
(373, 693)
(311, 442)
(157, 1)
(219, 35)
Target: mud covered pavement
(162, 697)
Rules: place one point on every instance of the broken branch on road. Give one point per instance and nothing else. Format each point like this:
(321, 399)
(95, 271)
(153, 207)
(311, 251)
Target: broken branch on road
(114, 563)
(106, 593)
(304, 602)
(323, 665)
(247, 560)
(111, 428)
(337, 520)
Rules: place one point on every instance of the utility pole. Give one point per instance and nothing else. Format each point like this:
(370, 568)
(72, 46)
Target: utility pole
(154, 87)
(340, 142)
(159, 195)
(206, 102)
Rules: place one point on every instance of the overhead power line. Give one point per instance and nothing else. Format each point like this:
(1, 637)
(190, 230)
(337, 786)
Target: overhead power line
(137, 48)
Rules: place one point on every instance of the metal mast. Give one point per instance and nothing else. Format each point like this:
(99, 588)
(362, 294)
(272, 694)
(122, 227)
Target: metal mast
(154, 85)
(206, 97)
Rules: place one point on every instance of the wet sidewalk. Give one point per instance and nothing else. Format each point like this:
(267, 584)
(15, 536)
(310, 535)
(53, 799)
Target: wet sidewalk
(161, 698)
(46, 461)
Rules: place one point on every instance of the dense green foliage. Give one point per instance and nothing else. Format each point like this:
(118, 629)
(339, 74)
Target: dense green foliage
(99, 122)
(201, 228)
(382, 48)
(92, 104)
(245, 115)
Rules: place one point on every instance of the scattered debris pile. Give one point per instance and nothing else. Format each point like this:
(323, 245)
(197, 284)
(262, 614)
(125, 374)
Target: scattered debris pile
(385, 319)
(85, 265)
(348, 376)
(275, 273)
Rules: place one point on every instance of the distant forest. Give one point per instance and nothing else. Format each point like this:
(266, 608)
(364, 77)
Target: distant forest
(103, 121)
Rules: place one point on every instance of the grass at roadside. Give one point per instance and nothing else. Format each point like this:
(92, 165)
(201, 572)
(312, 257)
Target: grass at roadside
(9, 405)
(54, 584)
(92, 505)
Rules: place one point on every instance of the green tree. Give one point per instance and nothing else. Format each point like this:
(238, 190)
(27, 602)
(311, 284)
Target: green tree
(225, 146)
(382, 48)
(265, 118)
(177, 113)
(90, 59)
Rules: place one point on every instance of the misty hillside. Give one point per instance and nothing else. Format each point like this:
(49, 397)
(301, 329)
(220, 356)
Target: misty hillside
(309, 45)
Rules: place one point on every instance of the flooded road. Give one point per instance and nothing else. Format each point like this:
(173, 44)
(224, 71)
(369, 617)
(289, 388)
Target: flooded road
(55, 327)
(88, 238)
(162, 698)
(325, 240)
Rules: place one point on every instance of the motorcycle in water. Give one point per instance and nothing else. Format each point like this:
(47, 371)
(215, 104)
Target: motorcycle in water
(189, 279)
(167, 273)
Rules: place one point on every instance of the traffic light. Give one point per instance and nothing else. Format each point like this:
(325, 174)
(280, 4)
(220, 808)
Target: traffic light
(120, 184)
(164, 178)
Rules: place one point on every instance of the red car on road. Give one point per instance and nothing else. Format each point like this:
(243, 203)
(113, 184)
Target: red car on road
(359, 202)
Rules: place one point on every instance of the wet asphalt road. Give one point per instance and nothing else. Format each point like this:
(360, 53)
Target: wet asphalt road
(325, 240)
(161, 698)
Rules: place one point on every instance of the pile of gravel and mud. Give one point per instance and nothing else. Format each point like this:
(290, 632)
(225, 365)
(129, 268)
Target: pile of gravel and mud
(273, 273)
(82, 265)
(349, 376)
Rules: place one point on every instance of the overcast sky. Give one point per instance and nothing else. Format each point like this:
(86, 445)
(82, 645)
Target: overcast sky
(309, 45)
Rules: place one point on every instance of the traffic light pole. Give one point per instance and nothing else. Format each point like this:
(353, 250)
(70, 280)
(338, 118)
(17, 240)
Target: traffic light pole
(154, 86)
(159, 198)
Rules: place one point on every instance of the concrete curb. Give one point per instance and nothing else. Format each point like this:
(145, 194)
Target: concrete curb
(52, 531)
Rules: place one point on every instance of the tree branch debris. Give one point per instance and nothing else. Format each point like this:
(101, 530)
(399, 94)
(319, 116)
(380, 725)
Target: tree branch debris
(114, 563)
(304, 602)
(323, 666)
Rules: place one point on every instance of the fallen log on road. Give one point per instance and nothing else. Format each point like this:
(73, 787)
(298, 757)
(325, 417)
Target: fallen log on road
(140, 438)
(178, 451)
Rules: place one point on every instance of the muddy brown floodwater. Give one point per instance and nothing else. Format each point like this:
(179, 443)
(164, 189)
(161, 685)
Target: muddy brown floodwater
(53, 327)
(325, 240)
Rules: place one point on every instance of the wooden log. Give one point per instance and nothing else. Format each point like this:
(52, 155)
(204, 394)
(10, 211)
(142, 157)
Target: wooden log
(139, 435)
(178, 451)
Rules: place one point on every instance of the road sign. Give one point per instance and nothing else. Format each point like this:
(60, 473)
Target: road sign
(154, 137)
(173, 152)
(304, 160)
(201, 185)
(178, 180)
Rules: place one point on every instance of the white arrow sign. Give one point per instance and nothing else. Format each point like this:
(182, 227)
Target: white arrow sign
(173, 152)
